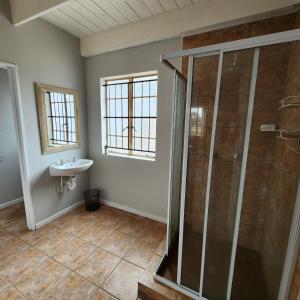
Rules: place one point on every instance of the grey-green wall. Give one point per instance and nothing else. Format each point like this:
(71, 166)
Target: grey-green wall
(45, 54)
(137, 184)
(10, 177)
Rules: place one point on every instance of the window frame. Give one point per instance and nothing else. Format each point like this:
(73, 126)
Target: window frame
(47, 146)
(129, 152)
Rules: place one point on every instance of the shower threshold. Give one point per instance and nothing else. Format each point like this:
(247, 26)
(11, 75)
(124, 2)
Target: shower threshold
(246, 285)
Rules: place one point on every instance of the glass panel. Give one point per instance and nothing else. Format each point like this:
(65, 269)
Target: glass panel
(168, 268)
(226, 170)
(177, 152)
(203, 95)
(272, 177)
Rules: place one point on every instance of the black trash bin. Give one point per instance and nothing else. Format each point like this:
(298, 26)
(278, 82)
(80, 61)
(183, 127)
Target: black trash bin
(92, 199)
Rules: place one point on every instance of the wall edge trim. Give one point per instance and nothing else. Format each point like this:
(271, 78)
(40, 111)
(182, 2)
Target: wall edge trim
(133, 211)
(105, 202)
(58, 214)
(12, 202)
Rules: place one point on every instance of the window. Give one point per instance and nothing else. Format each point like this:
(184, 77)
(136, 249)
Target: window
(61, 118)
(130, 115)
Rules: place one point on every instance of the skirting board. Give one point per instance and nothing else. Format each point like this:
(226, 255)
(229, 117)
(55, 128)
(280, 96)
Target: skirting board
(105, 202)
(12, 202)
(133, 211)
(57, 215)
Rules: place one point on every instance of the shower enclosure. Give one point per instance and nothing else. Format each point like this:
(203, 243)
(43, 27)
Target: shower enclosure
(234, 205)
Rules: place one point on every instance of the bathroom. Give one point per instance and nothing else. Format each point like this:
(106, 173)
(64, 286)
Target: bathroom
(197, 202)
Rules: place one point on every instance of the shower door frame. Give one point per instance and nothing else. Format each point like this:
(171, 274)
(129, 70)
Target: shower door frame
(294, 238)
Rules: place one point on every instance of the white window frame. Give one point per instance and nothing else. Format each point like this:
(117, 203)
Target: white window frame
(103, 104)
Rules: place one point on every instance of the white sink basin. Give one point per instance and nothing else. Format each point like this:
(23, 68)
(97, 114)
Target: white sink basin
(70, 168)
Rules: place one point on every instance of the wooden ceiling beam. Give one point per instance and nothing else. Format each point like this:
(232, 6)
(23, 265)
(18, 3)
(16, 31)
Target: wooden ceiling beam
(23, 11)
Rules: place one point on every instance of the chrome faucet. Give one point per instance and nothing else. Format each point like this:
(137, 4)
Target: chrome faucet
(73, 159)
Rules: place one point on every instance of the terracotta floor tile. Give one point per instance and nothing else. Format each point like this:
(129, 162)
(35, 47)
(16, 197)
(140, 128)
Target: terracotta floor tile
(14, 268)
(98, 266)
(10, 293)
(16, 225)
(153, 263)
(4, 235)
(102, 295)
(135, 226)
(11, 247)
(74, 253)
(123, 282)
(63, 220)
(155, 233)
(3, 284)
(118, 243)
(141, 253)
(45, 277)
(32, 237)
(11, 213)
(161, 250)
(58, 240)
(109, 219)
(96, 233)
(108, 210)
(37, 276)
(72, 287)
(77, 224)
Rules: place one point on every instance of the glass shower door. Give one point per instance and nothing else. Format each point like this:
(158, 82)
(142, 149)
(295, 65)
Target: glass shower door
(227, 155)
(219, 120)
(203, 89)
(179, 96)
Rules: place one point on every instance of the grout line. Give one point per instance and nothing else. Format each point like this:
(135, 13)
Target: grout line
(17, 234)
(62, 264)
(10, 285)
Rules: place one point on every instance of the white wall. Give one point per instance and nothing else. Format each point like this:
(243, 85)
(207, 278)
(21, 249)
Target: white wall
(137, 184)
(49, 55)
(10, 177)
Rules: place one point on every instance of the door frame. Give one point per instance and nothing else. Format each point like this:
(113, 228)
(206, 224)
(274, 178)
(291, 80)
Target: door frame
(14, 86)
(255, 42)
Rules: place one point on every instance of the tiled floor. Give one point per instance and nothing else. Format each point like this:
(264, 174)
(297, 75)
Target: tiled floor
(82, 255)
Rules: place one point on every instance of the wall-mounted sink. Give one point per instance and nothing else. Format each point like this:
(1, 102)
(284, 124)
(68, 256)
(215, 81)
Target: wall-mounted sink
(70, 168)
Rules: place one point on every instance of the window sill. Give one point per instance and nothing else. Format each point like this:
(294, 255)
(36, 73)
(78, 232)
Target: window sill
(131, 156)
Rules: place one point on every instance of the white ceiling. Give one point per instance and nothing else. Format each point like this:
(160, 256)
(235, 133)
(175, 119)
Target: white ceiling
(85, 17)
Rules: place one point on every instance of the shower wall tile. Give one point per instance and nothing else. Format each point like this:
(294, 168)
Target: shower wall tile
(267, 26)
(232, 109)
(262, 146)
(261, 115)
(273, 25)
(285, 180)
